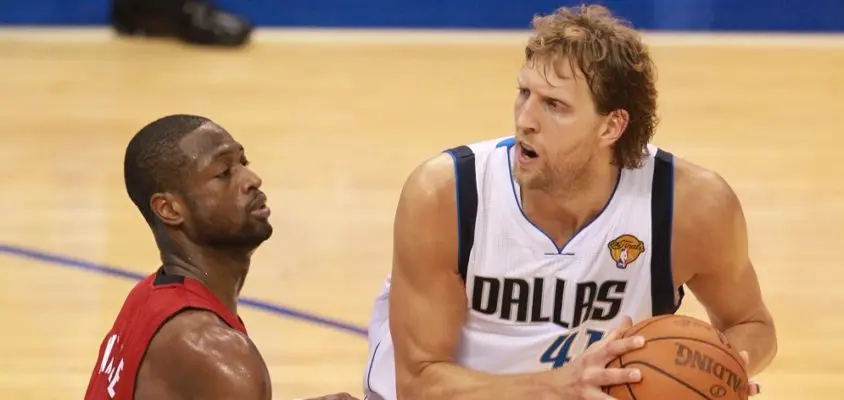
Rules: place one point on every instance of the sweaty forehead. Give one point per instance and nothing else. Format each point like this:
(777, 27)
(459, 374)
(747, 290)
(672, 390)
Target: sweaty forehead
(205, 141)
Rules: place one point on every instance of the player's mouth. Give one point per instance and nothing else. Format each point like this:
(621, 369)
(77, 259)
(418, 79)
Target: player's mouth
(259, 208)
(526, 154)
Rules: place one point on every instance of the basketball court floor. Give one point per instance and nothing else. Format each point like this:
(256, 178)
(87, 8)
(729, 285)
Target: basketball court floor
(334, 123)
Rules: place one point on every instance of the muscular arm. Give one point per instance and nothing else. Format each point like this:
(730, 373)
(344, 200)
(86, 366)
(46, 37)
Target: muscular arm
(711, 240)
(428, 301)
(196, 355)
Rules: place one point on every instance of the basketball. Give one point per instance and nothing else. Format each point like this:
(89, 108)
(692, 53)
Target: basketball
(683, 358)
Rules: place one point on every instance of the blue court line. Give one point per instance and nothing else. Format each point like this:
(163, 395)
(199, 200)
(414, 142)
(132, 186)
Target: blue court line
(279, 310)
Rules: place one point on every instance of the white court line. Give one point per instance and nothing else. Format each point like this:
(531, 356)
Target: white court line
(441, 37)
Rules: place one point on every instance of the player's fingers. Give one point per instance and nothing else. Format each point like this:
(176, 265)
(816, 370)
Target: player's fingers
(755, 388)
(626, 323)
(619, 347)
(597, 377)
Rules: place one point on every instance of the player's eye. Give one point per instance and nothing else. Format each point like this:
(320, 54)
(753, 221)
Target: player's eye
(225, 174)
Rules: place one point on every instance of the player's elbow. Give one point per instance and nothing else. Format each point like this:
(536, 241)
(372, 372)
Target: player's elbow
(408, 389)
(771, 330)
(767, 346)
(764, 335)
(416, 383)
(772, 352)
(409, 385)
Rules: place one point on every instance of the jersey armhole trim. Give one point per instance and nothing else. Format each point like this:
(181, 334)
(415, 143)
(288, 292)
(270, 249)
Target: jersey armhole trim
(466, 190)
(662, 214)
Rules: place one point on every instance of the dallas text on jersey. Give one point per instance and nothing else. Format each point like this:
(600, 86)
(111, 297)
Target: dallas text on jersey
(520, 300)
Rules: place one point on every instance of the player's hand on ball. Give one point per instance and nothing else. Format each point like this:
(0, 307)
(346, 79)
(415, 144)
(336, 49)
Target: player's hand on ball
(754, 387)
(588, 374)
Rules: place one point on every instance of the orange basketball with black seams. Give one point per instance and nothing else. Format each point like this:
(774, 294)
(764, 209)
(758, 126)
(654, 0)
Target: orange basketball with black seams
(683, 358)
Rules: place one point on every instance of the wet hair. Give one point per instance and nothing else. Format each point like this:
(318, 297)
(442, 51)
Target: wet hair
(617, 66)
(153, 162)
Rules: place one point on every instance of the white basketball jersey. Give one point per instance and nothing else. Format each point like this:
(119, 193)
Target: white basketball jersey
(532, 305)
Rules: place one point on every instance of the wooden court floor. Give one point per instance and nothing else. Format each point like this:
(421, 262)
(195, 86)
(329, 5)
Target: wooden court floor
(334, 128)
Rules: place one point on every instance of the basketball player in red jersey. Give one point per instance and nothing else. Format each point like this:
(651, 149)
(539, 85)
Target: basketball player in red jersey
(178, 334)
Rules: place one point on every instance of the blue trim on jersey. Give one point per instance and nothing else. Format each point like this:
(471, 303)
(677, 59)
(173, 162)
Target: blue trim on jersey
(678, 300)
(368, 384)
(457, 201)
(680, 294)
(511, 143)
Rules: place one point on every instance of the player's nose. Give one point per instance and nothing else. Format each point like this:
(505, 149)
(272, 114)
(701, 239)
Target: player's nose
(526, 121)
(251, 181)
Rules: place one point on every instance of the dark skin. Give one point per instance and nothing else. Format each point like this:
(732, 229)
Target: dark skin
(207, 232)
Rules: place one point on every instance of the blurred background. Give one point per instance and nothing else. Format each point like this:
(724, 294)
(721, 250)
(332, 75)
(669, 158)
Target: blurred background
(336, 102)
(685, 15)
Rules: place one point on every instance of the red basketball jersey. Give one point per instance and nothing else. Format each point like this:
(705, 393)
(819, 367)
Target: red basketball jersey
(151, 303)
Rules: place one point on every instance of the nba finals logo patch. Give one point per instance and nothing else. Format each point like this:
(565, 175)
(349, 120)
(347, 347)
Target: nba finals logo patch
(625, 249)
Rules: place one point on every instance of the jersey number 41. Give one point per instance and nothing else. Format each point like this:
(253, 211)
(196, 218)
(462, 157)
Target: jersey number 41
(560, 351)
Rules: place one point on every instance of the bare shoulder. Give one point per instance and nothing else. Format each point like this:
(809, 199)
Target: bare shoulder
(707, 210)
(425, 231)
(701, 189)
(195, 353)
(432, 180)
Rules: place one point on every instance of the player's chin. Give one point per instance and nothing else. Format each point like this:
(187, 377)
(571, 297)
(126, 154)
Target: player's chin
(263, 229)
(254, 235)
(256, 226)
(258, 222)
(524, 175)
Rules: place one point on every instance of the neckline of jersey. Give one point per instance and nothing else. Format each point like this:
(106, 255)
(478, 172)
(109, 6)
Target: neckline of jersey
(562, 249)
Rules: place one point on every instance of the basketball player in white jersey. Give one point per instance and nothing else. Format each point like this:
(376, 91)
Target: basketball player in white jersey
(515, 258)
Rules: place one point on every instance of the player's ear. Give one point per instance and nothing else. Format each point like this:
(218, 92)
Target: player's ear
(168, 208)
(614, 126)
